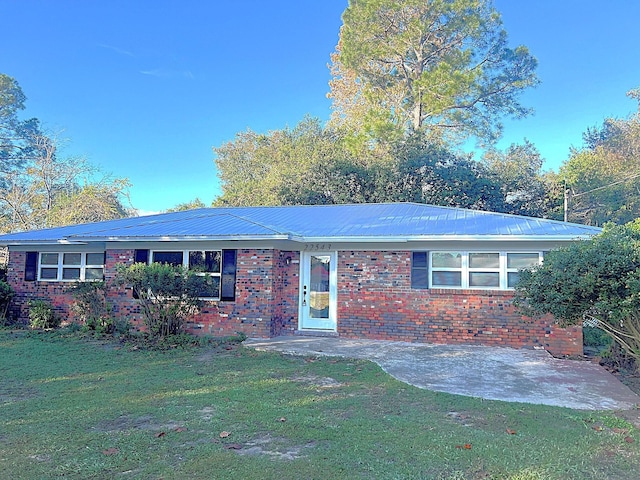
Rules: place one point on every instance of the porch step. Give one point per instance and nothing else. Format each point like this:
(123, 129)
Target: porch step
(315, 333)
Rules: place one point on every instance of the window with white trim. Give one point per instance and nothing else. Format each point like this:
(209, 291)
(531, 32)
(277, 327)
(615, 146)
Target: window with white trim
(205, 263)
(474, 270)
(70, 266)
(518, 261)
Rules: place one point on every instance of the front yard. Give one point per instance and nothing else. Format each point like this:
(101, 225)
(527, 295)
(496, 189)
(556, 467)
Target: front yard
(72, 407)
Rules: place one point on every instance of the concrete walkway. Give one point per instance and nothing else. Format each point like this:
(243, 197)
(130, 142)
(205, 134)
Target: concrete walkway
(529, 376)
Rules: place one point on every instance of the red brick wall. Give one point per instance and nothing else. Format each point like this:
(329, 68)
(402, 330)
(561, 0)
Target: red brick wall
(287, 284)
(55, 292)
(375, 300)
(265, 304)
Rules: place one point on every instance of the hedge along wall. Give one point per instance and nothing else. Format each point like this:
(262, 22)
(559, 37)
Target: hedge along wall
(375, 300)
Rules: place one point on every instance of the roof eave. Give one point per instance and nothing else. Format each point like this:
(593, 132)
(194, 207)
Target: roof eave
(17, 243)
(445, 238)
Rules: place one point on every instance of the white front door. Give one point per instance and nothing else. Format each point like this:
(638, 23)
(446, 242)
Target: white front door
(318, 291)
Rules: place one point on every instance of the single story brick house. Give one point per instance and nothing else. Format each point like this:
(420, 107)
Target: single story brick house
(402, 271)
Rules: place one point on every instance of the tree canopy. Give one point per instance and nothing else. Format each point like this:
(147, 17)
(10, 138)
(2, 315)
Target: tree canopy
(602, 177)
(439, 65)
(39, 188)
(310, 164)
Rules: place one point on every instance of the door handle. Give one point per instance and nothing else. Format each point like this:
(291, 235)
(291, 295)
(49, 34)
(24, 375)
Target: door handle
(304, 296)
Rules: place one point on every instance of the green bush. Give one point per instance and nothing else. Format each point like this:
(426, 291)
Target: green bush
(167, 295)
(596, 338)
(594, 282)
(90, 306)
(6, 295)
(41, 315)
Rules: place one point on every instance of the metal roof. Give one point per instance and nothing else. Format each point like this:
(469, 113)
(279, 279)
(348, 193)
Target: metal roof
(311, 223)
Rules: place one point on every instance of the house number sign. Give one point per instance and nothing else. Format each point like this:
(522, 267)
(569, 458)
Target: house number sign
(317, 247)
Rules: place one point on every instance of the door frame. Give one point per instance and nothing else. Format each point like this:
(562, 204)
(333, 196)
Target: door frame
(331, 325)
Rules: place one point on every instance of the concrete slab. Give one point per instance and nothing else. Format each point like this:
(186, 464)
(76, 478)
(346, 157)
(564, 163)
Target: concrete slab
(494, 373)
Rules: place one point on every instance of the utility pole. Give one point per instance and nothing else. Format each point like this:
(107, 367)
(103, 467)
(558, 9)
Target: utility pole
(566, 201)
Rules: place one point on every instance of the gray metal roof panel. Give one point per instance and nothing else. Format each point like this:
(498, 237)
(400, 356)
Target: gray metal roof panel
(356, 221)
(207, 225)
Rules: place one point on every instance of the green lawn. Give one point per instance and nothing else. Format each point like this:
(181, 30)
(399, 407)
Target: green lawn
(78, 408)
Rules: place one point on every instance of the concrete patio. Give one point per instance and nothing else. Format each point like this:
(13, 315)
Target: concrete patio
(494, 373)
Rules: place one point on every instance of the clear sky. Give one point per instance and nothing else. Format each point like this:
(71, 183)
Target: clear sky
(145, 88)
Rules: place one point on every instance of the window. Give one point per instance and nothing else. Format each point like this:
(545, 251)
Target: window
(446, 269)
(71, 266)
(481, 270)
(206, 263)
(484, 270)
(518, 261)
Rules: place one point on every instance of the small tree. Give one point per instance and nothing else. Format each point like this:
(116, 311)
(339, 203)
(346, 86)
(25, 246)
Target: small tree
(6, 294)
(597, 281)
(167, 295)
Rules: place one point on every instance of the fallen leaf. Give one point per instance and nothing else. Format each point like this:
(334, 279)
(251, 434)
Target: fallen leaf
(160, 434)
(110, 451)
(511, 432)
(233, 446)
(597, 428)
(620, 430)
(466, 446)
(628, 439)
(282, 419)
(181, 429)
(224, 434)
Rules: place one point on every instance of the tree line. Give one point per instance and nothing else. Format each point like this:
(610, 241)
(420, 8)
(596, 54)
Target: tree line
(411, 82)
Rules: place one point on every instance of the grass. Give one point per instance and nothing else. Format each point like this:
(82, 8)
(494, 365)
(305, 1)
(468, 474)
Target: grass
(76, 408)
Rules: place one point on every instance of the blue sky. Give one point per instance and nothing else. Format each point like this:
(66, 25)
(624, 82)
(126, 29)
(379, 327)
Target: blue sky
(144, 89)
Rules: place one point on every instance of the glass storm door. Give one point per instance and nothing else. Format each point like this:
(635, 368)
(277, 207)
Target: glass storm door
(318, 291)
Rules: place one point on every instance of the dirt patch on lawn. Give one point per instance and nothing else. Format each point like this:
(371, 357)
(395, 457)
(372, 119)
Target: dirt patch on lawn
(127, 422)
(12, 392)
(274, 447)
(318, 382)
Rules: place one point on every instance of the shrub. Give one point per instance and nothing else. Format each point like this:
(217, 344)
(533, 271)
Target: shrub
(6, 294)
(90, 306)
(594, 282)
(596, 338)
(41, 315)
(167, 295)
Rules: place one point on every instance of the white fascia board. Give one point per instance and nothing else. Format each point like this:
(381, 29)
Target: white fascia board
(62, 241)
(446, 238)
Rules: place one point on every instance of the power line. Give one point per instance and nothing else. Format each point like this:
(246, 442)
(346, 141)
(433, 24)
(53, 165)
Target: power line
(607, 186)
(566, 192)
